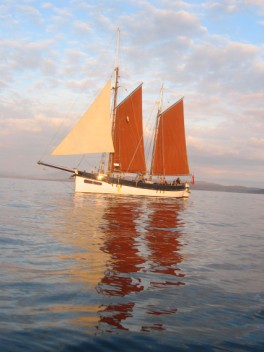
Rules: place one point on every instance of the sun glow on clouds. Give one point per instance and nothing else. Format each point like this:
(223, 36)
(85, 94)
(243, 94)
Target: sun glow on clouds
(56, 57)
(37, 124)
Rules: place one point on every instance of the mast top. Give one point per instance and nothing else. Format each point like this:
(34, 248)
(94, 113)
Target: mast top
(161, 100)
(117, 46)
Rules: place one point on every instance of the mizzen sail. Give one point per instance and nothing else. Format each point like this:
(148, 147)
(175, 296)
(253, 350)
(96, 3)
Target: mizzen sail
(92, 134)
(128, 141)
(170, 152)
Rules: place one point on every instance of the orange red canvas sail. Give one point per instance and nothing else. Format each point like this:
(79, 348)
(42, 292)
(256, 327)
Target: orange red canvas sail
(170, 152)
(128, 135)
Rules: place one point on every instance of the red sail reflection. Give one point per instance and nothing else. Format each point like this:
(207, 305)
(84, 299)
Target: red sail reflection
(120, 244)
(163, 240)
(142, 240)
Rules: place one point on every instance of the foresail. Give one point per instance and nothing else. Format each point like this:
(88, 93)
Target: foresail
(129, 153)
(170, 152)
(92, 134)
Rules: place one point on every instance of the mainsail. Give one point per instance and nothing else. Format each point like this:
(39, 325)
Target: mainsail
(128, 135)
(170, 153)
(92, 134)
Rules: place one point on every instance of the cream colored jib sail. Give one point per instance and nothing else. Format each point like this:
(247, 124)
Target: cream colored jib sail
(92, 134)
(123, 139)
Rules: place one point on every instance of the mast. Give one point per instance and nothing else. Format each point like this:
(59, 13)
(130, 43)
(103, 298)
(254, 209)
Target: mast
(115, 97)
(156, 131)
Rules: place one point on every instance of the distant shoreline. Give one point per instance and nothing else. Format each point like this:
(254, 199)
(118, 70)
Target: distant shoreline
(199, 185)
(205, 186)
(38, 178)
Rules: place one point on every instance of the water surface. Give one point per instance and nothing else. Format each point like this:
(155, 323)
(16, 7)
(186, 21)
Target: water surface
(109, 273)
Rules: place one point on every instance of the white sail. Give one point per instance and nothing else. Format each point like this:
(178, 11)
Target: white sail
(92, 133)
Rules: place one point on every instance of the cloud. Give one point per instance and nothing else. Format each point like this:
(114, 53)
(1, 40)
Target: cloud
(47, 5)
(226, 67)
(23, 55)
(82, 27)
(30, 12)
(224, 6)
(162, 25)
(22, 125)
(258, 3)
(233, 6)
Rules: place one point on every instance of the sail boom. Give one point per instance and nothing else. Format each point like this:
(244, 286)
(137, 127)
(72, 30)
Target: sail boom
(63, 168)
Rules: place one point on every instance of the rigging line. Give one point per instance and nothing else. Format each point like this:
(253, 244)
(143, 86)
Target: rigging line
(81, 160)
(133, 157)
(114, 110)
(149, 127)
(158, 118)
(56, 132)
(139, 142)
(162, 146)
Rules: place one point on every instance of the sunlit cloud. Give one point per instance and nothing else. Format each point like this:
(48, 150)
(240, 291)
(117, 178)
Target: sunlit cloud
(82, 27)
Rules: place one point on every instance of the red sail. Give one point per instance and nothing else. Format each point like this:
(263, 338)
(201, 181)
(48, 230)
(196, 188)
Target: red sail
(170, 153)
(128, 141)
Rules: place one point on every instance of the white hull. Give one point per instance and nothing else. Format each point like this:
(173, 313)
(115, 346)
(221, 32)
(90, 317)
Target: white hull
(89, 185)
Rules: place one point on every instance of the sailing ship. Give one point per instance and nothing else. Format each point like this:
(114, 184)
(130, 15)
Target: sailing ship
(120, 134)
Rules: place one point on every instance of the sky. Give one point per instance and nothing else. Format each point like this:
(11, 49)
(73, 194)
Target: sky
(57, 55)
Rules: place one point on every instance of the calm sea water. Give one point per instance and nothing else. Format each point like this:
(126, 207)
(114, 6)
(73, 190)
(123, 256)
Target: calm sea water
(106, 273)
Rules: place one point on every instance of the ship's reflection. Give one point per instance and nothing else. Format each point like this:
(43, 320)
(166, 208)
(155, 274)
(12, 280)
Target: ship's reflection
(142, 240)
(128, 253)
